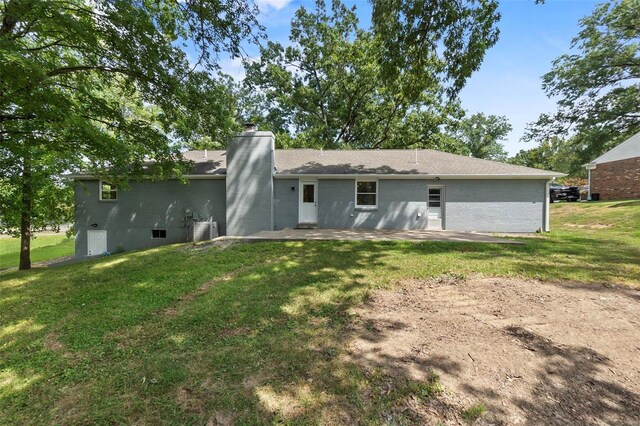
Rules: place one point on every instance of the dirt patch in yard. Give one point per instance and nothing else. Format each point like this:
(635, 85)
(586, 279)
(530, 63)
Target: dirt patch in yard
(530, 352)
(589, 226)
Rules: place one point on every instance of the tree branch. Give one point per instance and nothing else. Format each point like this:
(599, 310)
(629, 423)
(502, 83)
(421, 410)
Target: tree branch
(68, 70)
(16, 117)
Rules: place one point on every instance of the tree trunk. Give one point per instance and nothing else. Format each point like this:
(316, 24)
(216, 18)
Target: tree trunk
(25, 218)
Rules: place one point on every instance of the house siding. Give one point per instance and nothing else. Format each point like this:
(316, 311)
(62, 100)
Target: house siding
(617, 180)
(146, 206)
(285, 203)
(470, 205)
(495, 205)
(399, 203)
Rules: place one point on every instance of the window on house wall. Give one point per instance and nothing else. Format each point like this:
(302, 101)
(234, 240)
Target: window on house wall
(108, 191)
(366, 193)
(308, 193)
(158, 233)
(435, 197)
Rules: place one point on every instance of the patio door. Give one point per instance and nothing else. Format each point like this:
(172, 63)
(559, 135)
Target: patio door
(308, 202)
(435, 207)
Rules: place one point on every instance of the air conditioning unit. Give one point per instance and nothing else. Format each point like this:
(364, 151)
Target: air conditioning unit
(203, 231)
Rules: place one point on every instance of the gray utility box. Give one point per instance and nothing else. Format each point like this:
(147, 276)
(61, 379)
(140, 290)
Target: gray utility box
(203, 231)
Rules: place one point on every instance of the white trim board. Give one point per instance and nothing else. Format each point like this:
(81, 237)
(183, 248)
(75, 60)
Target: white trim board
(189, 177)
(406, 176)
(356, 176)
(630, 148)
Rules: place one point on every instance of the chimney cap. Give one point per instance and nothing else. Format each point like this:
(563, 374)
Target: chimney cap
(250, 127)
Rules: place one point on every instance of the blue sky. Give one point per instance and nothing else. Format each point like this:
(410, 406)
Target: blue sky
(509, 80)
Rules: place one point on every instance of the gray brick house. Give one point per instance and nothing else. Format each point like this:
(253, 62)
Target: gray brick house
(252, 187)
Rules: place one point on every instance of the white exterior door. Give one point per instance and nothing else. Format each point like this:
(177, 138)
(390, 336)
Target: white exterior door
(96, 242)
(308, 202)
(435, 207)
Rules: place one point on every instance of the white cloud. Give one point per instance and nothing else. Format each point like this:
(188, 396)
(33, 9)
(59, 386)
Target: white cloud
(233, 67)
(272, 4)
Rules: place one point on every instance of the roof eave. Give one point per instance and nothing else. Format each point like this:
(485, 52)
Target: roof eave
(354, 175)
(190, 176)
(551, 175)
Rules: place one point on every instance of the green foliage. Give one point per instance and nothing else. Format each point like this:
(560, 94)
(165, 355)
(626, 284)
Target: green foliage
(597, 85)
(482, 135)
(434, 40)
(552, 154)
(210, 112)
(474, 412)
(336, 86)
(52, 197)
(104, 86)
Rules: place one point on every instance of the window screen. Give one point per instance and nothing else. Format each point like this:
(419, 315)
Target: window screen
(366, 194)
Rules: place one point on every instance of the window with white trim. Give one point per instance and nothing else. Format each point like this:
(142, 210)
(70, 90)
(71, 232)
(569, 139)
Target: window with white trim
(366, 193)
(108, 191)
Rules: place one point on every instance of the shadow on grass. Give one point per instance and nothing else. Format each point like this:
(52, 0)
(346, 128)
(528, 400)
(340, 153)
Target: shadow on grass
(262, 342)
(635, 203)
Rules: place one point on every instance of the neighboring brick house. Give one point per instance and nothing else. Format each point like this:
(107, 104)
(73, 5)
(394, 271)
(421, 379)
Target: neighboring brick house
(615, 175)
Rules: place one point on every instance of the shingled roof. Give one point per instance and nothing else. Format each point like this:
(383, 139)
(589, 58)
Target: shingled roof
(391, 162)
(370, 162)
(207, 162)
(630, 148)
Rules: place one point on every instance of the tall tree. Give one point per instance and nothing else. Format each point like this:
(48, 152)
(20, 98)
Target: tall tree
(333, 86)
(551, 154)
(103, 86)
(598, 85)
(436, 40)
(482, 135)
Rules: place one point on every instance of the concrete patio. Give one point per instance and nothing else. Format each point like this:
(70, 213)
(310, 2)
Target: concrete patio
(376, 235)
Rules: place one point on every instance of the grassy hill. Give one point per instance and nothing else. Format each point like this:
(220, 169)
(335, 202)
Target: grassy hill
(44, 247)
(194, 335)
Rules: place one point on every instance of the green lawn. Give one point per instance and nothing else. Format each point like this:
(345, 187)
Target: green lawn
(254, 333)
(43, 247)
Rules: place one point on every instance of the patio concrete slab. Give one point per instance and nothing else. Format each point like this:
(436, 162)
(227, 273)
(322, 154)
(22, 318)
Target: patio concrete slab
(378, 235)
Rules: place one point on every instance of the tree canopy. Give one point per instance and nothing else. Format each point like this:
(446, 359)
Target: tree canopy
(442, 42)
(340, 85)
(598, 84)
(103, 87)
(551, 154)
(482, 135)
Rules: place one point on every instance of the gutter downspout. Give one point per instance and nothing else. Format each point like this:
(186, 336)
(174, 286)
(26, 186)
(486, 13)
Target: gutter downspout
(546, 206)
(589, 167)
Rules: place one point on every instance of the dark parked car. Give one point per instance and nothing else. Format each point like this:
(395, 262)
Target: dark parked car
(561, 192)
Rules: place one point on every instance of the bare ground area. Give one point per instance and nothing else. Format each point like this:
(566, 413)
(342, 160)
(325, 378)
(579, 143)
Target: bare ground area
(530, 352)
